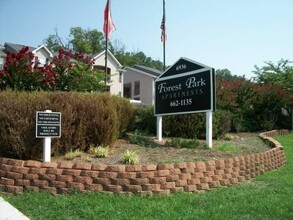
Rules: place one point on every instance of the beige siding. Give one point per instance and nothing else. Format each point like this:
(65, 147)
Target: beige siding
(146, 85)
(42, 55)
(115, 85)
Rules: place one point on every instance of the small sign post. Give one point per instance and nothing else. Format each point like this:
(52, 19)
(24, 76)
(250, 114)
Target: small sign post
(48, 125)
(186, 87)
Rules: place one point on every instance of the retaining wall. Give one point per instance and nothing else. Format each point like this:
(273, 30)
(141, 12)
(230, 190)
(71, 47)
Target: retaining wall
(17, 176)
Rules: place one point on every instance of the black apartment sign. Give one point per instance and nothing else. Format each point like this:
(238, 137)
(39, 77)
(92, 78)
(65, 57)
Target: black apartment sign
(48, 124)
(186, 87)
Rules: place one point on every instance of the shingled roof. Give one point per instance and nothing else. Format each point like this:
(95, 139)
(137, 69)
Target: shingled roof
(14, 48)
(151, 71)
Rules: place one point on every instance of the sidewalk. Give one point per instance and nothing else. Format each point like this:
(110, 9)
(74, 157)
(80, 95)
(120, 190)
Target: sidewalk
(8, 212)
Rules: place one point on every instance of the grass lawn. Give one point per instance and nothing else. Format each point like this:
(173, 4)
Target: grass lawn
(269, 196)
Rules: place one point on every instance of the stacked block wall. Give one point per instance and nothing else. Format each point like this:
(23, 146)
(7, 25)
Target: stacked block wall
(17, 176)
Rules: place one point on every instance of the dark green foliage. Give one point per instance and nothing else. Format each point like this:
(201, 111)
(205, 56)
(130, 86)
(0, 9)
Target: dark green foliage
(194, 125)
(185, 126)
(222, 120)
(185, 143)
(145, 120)
(141, 139)
(87, 118)
(253, 107)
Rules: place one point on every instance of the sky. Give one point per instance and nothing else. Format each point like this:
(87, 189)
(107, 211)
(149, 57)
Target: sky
(223, 34)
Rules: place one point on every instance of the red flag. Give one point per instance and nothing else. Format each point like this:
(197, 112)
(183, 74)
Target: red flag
(109, 26)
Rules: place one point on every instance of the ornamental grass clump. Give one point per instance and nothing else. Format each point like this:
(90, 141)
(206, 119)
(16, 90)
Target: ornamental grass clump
(130, 157)
(99, 151)
(102, 151)
(73, 154)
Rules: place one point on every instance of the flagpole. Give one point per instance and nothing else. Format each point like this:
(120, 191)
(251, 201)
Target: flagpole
(106, 52)
(164, 41)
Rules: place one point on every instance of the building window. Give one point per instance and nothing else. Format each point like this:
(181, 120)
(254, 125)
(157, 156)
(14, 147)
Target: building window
(127, 90)
(136, 88)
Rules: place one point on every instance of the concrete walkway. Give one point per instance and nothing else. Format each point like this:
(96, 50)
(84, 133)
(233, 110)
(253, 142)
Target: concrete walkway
(8, 212)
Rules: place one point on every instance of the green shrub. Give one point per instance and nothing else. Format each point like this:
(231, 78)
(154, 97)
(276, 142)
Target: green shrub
(184, 143)
(141, 139)
(130, 157)
(144, 120)
(221, 123)
(227, 147)
(125, 114)
(86, 119)
(194, 125)
(184, 126)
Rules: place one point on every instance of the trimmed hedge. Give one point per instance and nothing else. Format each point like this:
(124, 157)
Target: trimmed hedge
(87, 118)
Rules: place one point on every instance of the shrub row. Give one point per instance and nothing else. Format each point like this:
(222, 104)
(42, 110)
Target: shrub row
(87, 119)
(185, 126)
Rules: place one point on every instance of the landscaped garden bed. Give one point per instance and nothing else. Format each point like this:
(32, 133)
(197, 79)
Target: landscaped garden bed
(144, 179)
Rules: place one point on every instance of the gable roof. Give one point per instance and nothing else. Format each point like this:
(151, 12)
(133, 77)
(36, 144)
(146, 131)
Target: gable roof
(46, 49)
(154, 73)
(96, 56)
(148, 70)
(14, 48)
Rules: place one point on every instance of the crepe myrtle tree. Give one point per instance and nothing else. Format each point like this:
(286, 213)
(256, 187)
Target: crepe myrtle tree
(18, 72)
(67, 71)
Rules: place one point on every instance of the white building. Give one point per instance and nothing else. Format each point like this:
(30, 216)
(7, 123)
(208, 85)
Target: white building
(138, 83)
(115, 86)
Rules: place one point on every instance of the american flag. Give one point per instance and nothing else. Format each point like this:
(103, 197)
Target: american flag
(163, 25)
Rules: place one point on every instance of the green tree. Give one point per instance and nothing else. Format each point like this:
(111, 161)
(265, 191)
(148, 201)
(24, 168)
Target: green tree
(225, 74)
(93, 41)
(81, 40)
(87, 41)
(54, 42)
(280, 74)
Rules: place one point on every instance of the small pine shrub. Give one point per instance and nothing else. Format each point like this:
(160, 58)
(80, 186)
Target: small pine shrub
(130, 157)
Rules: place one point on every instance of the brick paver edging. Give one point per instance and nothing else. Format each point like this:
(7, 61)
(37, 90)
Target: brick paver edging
(18, 175)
